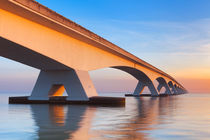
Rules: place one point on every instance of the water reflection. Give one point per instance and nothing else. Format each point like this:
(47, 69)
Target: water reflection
(57, 121)
(184, 117)
(83, 122)
(140, 116)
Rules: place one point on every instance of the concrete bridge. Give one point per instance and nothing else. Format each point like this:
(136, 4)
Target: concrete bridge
(34, 35)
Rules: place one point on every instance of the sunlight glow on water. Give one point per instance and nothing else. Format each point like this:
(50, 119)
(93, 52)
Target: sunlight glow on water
(184, 116)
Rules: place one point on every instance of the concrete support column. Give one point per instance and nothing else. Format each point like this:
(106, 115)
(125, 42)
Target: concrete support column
(177, 89)
(180, 90)
(152, 89)
(173, 89)
(141, 85)
(139, 88)
(162, 83)
(78, 85)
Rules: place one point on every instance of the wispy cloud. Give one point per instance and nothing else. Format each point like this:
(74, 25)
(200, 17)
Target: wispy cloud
(159, 37)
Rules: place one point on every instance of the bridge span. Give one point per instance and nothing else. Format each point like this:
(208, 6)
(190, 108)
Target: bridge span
(64, 51)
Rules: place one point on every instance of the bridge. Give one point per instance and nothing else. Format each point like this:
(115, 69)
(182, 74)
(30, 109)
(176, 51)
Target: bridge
(65, 52)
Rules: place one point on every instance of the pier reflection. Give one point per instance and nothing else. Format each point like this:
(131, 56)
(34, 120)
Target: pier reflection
(140, 116)
(60, 121)
(84, 122)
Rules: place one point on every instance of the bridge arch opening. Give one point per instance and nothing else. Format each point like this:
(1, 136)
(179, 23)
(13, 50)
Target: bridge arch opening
(57, 90)
(110, 81)
(143, 80)
(161, 89)
(162, 86)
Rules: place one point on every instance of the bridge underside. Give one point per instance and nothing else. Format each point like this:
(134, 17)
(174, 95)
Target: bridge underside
(16, 52)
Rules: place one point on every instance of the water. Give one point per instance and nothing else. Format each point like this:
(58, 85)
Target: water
(176, 117)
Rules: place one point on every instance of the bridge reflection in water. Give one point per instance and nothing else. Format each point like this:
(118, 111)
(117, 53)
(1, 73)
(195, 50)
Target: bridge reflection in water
(82, 122)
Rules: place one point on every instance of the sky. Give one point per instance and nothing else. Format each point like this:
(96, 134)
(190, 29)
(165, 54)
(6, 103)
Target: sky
(171, 35)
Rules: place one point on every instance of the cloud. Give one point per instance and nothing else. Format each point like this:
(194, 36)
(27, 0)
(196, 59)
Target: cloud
(157, 36)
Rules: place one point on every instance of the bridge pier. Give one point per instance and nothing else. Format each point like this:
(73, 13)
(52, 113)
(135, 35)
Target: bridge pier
(162, 83)
(173, 89)
(180, 90)
(143, 80)
(78, 85)
(152, 89)
(140, 87)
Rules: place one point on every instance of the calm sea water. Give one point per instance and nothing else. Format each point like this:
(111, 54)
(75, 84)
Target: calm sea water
(175, 117)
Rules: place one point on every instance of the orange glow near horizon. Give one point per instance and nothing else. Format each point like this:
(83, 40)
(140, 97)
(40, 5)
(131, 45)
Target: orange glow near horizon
(192, 73)
(196, 80)
(196, 85)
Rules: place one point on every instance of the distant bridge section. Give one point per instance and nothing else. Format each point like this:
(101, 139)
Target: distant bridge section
(64, 51)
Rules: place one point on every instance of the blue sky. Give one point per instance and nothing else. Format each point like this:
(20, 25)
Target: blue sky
(173, 35)
(131, 10)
